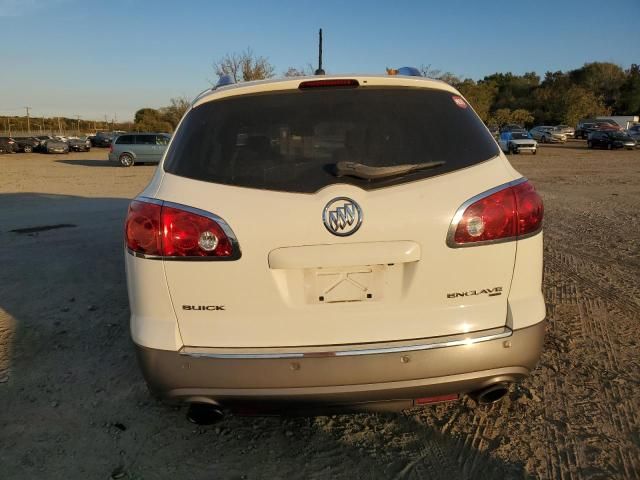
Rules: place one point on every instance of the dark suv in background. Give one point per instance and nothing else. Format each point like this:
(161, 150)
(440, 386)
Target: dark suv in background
(102, 139)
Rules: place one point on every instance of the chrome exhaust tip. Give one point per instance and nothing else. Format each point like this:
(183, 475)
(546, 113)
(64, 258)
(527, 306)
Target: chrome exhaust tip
(204, 413)
(491, 394)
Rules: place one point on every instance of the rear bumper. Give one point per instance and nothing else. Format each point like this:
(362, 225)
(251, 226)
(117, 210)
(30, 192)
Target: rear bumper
(325, 379)
(520, 148)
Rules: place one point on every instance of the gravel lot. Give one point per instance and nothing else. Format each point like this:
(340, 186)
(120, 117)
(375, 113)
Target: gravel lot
(73, 404)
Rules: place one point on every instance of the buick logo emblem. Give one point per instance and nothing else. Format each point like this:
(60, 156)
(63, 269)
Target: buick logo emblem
(342, 216)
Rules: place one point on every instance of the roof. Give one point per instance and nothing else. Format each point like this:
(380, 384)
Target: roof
(292, 83)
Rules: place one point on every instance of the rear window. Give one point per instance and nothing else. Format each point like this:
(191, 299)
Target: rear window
(292, 141)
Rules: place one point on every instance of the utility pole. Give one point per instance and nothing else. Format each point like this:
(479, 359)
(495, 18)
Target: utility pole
(106, 123)
(28, 121)
(78, 117)
(59, 127)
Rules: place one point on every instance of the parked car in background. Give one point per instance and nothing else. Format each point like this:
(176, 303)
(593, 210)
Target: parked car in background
(9, 144)
(516, 141)
(585, 128)
(634, 132)
(609, 125)
(27, 144)
(325, 248)
(610, 139)
(55, 146)
(103, 139)
(510, 127)
(132, 148)
(548, 134)
(567, 130)
(624, 121)
(79, 144)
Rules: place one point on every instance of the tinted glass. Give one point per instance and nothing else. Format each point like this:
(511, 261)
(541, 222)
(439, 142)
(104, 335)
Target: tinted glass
(145, 139)
(125, 140)
(519, 136)
(162, 140)
(291, 141)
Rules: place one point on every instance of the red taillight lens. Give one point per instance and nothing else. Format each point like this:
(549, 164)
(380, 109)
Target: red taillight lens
(111, 148)
(530, 208)
(506, 214)
(167, 231)
(142, 228)
(186, 234)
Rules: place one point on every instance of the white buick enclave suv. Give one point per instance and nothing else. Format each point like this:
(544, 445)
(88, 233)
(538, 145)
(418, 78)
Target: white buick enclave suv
(354, 242)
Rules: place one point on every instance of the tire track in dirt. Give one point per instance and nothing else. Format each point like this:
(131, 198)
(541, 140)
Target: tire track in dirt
(600, 407)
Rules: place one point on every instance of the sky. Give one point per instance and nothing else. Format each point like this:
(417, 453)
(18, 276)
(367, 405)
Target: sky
(110, 58)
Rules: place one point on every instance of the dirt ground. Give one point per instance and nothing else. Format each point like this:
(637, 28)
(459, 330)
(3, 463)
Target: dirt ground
(73, 404)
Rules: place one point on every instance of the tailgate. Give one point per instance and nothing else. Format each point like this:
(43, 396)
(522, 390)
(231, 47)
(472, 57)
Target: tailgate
(296, 284)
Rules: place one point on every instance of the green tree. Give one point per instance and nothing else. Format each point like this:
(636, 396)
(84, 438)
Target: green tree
(604, 79)
(630, 92)
(174, 112)
(581, 103)
(151, 120)
(480, 96)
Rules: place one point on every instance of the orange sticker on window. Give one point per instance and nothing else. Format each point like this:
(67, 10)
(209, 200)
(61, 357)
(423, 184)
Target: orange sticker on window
(459, 101)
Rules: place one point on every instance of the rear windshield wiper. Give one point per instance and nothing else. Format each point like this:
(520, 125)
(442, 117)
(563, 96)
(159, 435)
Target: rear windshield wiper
(367, 172)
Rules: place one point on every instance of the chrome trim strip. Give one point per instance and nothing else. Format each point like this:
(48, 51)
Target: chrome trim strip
(458, 216)
(237, 253)
(425, 344)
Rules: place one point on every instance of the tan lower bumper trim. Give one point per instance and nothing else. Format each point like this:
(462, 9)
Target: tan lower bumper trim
(392, 375)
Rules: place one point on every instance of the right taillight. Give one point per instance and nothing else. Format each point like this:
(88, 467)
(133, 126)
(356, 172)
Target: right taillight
(499, 215)
(159, 229)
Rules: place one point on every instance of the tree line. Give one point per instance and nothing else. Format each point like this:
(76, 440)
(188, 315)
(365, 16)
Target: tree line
(595, 89)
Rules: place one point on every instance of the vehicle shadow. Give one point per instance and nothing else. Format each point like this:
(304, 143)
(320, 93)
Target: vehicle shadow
(88, 163)
(74, 401)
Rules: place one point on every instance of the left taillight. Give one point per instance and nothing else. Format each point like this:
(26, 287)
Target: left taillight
(169, 231)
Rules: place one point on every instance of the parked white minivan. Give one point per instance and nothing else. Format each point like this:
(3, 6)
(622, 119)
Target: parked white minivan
(355, 242)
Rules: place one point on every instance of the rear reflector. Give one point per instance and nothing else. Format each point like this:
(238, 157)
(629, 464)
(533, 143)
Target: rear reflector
(506, 214)
(436, 399)
(340, 82)
(168, 231)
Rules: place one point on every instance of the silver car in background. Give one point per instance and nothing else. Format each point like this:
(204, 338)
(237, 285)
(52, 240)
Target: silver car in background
(567, 130)
(132, 148)
(548, 134)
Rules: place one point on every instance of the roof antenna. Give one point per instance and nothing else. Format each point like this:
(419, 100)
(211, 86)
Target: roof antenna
(320, 71)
